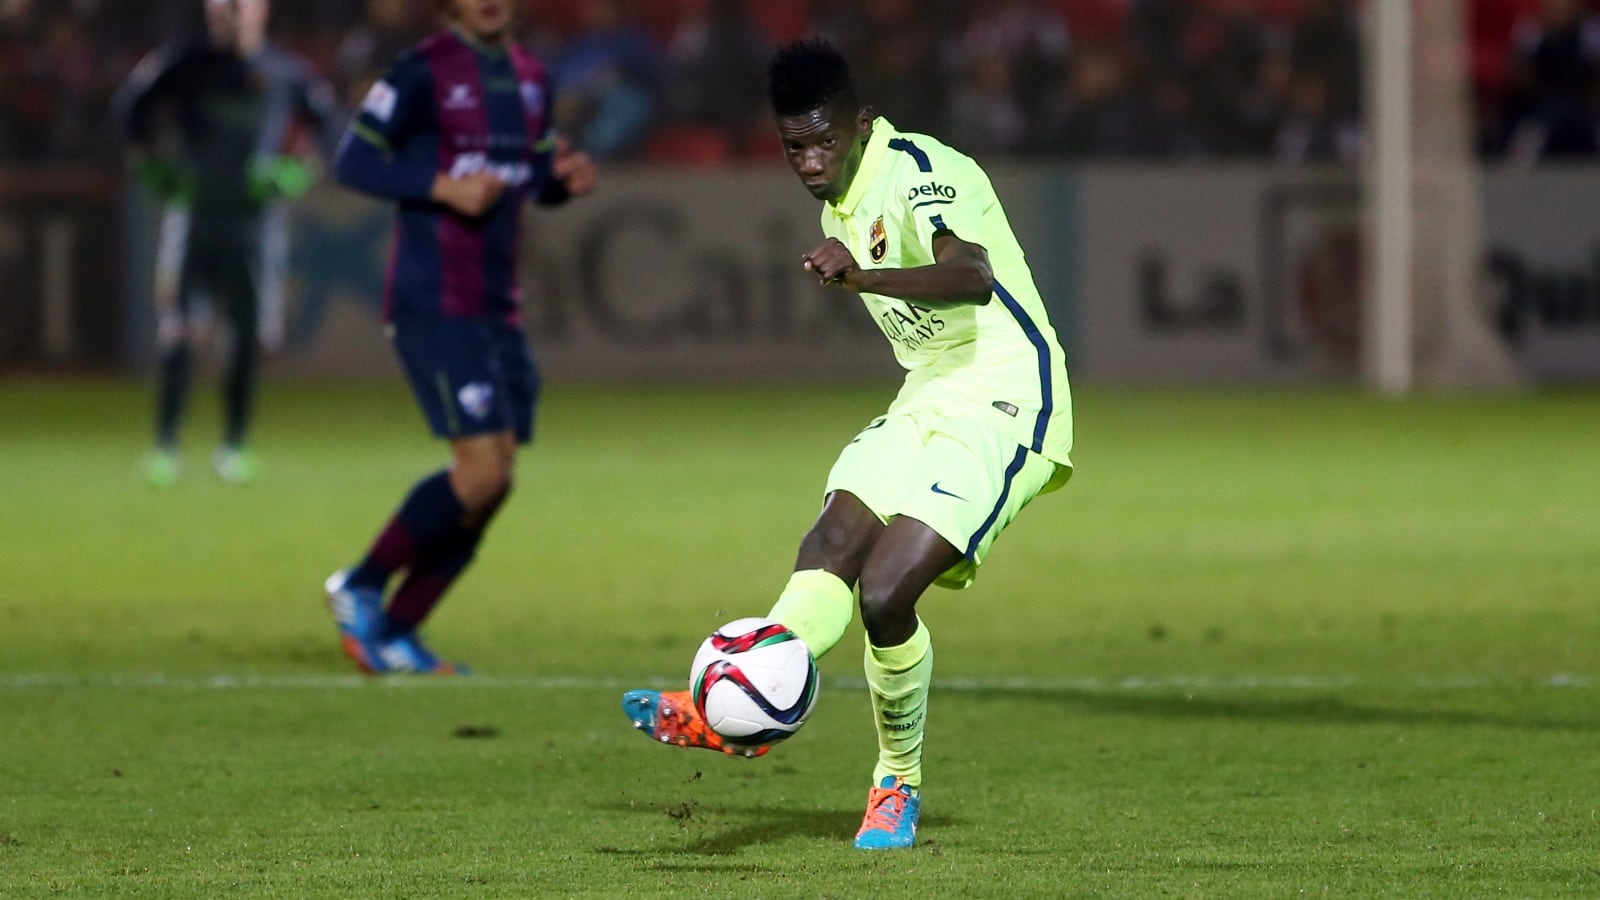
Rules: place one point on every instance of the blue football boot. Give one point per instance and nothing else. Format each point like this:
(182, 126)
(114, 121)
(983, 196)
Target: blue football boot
(891, 820)
(405, 653)
(359, 614)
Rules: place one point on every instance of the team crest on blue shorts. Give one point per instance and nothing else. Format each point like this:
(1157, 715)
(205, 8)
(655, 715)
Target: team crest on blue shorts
(476, 399)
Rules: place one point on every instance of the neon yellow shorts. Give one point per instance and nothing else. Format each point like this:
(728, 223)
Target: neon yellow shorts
(959, 476)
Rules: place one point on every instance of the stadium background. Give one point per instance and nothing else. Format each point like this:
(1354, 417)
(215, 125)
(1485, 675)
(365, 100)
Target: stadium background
(1186, 175)
(1281, 635)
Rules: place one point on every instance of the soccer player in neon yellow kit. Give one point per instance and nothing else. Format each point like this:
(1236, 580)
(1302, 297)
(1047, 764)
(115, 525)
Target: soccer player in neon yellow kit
(982, 425)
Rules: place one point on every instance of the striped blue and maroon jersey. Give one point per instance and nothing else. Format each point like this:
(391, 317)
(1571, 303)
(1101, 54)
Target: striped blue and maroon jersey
(451, 105)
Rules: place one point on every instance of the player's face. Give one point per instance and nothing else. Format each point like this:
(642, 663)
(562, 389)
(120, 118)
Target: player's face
(484, 20)
(239, 24)
(222, 22)
(824, 147)
(252, 23)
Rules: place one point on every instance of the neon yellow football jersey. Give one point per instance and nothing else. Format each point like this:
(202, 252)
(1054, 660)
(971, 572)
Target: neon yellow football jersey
(1003, 356)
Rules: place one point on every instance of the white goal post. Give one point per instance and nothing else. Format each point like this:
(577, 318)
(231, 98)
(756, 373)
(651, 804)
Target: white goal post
(1423, 319)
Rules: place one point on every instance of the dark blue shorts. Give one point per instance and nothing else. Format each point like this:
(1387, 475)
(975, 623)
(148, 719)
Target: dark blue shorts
(470, 376)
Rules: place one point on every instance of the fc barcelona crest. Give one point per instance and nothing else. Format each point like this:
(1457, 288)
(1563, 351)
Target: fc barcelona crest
(878, 241)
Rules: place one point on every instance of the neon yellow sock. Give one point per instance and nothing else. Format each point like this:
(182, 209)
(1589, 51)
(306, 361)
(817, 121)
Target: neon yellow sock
(817, 606)
(898, 679)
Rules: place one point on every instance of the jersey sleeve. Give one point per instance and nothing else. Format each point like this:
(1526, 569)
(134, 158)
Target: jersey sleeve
(396, 106)
(138, 95)
(396, 109)
(943, 192)
(551, 191)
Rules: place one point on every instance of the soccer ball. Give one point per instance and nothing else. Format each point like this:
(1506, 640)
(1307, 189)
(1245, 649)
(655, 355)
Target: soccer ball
(754, 682)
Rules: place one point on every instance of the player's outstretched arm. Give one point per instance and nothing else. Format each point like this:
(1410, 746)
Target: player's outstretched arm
(960, 275)
(363, 162)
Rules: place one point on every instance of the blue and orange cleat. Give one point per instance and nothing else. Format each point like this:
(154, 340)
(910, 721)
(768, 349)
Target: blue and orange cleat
(891, 821)
(405, 653)
(670, 717)
(359, 614)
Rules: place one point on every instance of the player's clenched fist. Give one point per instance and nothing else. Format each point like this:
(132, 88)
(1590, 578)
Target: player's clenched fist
(469, 195)
(832, 262)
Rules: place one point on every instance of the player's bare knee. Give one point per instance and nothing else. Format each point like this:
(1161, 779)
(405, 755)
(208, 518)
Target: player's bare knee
(494, 491)
(497, 484)
(885, 604)
(482, 482)
(481, 508)
(834, 546)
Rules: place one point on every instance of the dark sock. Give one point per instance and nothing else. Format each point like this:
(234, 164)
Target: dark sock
(172, 390)
(427, 582)
(239, 392)
(428, 520)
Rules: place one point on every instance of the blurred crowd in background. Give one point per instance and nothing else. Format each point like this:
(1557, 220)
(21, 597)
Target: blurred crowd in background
(682, 80)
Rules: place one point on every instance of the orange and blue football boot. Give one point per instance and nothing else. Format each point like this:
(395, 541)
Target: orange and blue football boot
(891, 821)
(670, 717)
(359, 614)
(405, 653)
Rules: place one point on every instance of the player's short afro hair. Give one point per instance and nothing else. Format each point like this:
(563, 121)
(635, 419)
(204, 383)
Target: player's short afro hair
(808, 74)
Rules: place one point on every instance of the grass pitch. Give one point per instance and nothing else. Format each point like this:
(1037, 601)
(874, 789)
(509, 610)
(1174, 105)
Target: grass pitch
(1264, 643)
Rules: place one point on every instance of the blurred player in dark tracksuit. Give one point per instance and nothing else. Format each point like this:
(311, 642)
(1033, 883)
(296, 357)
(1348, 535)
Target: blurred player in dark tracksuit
(457, 135)
(210, 124)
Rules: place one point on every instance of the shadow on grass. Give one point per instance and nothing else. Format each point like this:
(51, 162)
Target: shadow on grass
(1308, 710)
(713, 830)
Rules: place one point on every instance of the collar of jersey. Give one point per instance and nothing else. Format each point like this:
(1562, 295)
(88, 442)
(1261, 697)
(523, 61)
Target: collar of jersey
(479, 47)
(871, 159)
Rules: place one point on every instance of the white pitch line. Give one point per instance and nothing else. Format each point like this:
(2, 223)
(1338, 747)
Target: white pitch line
(19, 681)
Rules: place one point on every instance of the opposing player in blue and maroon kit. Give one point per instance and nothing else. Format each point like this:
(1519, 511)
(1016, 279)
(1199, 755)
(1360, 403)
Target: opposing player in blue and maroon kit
(458, 134)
